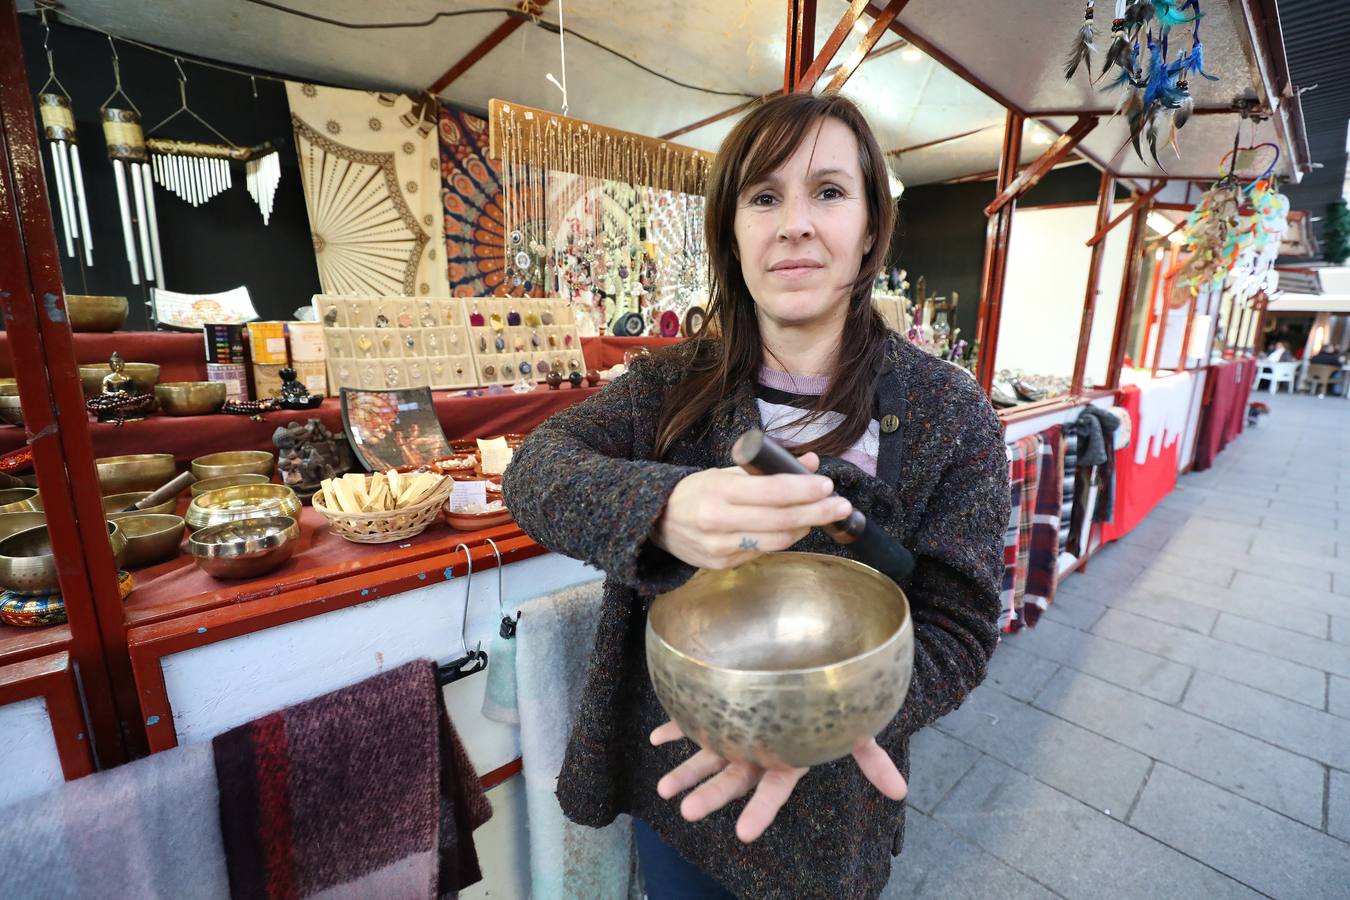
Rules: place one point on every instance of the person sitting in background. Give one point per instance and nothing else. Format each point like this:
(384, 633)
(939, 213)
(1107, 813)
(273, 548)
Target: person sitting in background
(1327, 356)
(1279, 353)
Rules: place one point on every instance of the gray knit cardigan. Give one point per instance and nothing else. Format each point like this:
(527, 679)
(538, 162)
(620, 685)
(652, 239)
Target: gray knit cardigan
(586, 484)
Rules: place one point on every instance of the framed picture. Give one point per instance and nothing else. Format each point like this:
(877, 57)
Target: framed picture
(388, 429)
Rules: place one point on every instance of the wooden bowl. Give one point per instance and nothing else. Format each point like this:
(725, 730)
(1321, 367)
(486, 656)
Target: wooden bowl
(138, 472)
(224, 481)
(190, 398)
(27, 565)
(234, 462)
(114, 504)
(151, 537)
(462, 521)
(11, 413)
(96, 313)
(245, 549)
(243, 501)
(146, 376)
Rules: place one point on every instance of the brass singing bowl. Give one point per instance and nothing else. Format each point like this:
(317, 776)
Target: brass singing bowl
(27, 565)
(235, 462)
(224, 481)
(9, 387)
(11, 412)
(245, 549)
(88, 312)
(790, 659)
(190, 398)
(20, 499)
(138, 472)
(146, 376)
(14, 522)
(115, 506)
(241, 502)
(151, 537)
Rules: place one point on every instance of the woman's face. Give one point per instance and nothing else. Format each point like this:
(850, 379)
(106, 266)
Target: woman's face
(802, 232)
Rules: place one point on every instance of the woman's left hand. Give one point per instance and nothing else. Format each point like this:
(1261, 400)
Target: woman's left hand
(723, 782)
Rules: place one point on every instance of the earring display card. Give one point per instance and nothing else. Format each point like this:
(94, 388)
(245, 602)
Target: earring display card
(544, 328)
(403, 338)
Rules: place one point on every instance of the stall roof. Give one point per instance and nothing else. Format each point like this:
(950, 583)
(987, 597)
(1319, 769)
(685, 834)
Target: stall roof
(723, 54)
(1332, 303)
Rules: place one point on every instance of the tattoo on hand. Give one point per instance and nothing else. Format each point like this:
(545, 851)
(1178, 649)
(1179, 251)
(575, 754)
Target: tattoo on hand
(748, 543)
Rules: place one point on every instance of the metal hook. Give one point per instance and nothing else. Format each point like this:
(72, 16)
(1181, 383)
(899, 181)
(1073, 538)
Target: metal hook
(51, 61)
(468, 585)
(472, 660)
(117, 80)
(508, 627)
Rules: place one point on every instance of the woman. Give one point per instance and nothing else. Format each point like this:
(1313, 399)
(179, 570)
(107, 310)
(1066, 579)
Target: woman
(638, 481)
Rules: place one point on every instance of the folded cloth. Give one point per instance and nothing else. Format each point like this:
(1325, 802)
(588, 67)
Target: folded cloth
(149, 829)
(553, 643)
(362, 792)
(499, 693)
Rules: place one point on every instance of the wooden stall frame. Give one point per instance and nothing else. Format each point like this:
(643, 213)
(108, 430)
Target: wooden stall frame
(998, 232)
(52, 679)
(1134, 264)
(1106, 196)
(801, 43)
(503, 31)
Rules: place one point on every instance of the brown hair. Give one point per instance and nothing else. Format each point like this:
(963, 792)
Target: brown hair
(728, 351)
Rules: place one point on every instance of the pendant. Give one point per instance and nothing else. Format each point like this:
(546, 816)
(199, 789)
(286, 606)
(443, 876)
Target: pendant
(516, 281)
(534, 339)
(433, 345)
(574, 365)
(363, 344)
(428, 321)
(410, 342)
(522, 260)
(330, 317)
(520, 345)
(532, 319)
(381, 321)
(454, 338)
(482, 343)
(475, 318)
(543, 367)
(546, 318)
(490, 371)
(513, 318)
(405, 320)
(506, 371)
(385, 343)
(516, 236)
(497, 323)
(567, 341)
(459, 369)
(501, 344)
(525, 368)
(557, 364)
(391, 376)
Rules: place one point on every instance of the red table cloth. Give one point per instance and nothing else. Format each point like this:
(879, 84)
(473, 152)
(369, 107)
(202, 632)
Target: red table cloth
(1139, 486)
(1226, 414)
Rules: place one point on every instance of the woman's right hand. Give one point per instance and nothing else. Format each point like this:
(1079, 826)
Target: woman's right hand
(721, 518)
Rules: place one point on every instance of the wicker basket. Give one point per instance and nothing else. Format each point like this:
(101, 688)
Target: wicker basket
(386, 527)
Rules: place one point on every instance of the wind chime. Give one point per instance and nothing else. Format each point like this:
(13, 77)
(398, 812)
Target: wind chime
(196, 171)
(58, 127)
(126, 148)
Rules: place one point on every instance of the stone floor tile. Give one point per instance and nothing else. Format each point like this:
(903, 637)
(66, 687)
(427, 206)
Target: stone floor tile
(1083, 765)
(1340, 584)
(1304, 570)
(1338, 696)
(1279, 594)
(1118, 561)
(1293, 726)
(1275, 543)
(1076, 851)
(1279, 676)
(1338, 806)
(1340, 628)
(1303, 518)
(1073, 610)
(1321, 654)
(936, 762)
(1260, 848)
(1254, 769)
(940, 864)
(1018, 673)
(1126, 666)
(1167, 608)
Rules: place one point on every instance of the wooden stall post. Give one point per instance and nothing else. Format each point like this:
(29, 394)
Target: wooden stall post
(801, 42)
(1106, 193)
(1134, 264)
(997, 235)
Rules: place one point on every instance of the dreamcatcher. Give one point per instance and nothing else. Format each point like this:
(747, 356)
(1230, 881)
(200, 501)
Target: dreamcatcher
(1156, 100)
(366, 239)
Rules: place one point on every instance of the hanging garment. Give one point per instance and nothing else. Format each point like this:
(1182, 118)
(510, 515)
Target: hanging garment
(1043, 562)
(1008, 589)
(1024, 476)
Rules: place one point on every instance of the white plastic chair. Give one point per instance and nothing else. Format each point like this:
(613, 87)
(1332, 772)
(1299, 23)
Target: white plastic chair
(1281, 373)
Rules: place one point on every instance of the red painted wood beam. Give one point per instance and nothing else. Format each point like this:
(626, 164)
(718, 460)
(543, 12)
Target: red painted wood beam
(997, 236)
(1106, 193)
(1138, 202)
(1054, 154)
(486, 45)
(801, 42)
(879, 27)
(832, 45)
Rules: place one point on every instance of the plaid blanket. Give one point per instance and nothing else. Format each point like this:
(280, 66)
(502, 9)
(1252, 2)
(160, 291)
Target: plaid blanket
(1024, 478)
(1043, 564)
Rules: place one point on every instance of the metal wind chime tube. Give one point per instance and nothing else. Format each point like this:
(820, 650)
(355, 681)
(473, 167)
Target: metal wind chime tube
(58, 127)
(126, 149)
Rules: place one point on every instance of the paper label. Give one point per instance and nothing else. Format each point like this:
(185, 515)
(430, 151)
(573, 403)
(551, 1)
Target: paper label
(468, 493)
(495, 454)
(276, 346)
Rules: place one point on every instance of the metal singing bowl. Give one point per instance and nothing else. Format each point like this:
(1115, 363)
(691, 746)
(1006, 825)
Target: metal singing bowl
(27, 565)
(245, 549)
(790, 659)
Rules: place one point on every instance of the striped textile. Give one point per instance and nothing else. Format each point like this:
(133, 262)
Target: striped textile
(1024, 477)
(783, 398)
(1011, 540)
(1043, 562)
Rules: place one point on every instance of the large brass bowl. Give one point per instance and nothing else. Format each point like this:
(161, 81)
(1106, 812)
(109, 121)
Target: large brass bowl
(21, 499)
(11, 412)
(190, 398)
(27, 565)
(94, 313)
(790, 659)
(224, 481)
(235, 462)
(245, 549)
(243, 501)
(13, 523)
(151, 537)
(9, 387)
(146, 376)
(138, 472)
(114, 504)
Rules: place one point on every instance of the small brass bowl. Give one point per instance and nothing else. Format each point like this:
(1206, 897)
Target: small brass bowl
(151, 537)
(27, 565)
(146, 376)
(9, 387)
(790, 659)
(235, 462)
(139, 472)
(245, 549)
(95, 313)
(224, 481)
(11, 412)
(115, 504)
(243, 501)
(190, 398)
(22, 499)
(13, 523)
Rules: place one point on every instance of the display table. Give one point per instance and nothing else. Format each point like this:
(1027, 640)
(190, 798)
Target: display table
(1146, 471)
(1225, 413)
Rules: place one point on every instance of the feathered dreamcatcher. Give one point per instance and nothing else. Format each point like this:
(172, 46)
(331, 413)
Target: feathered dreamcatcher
(1156, 96)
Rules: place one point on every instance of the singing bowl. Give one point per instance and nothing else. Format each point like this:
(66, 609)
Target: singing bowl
(95, 313)
(151, 537)
(190, 398)
(146, 376)
(9, 387)
(21, 499)
(235, 462)
(242, 502)
(115, 505)
(790, 659)
(245, 549)
(11, 413)
(13, 523)
(27, 565)
(139, 472)
(224, 481)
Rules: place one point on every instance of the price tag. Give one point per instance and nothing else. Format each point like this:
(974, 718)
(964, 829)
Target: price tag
(468, 493)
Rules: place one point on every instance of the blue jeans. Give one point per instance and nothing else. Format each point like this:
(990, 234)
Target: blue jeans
(666, 874)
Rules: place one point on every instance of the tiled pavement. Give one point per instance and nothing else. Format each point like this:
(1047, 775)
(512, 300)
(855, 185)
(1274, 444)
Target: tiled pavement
(1178, 725)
